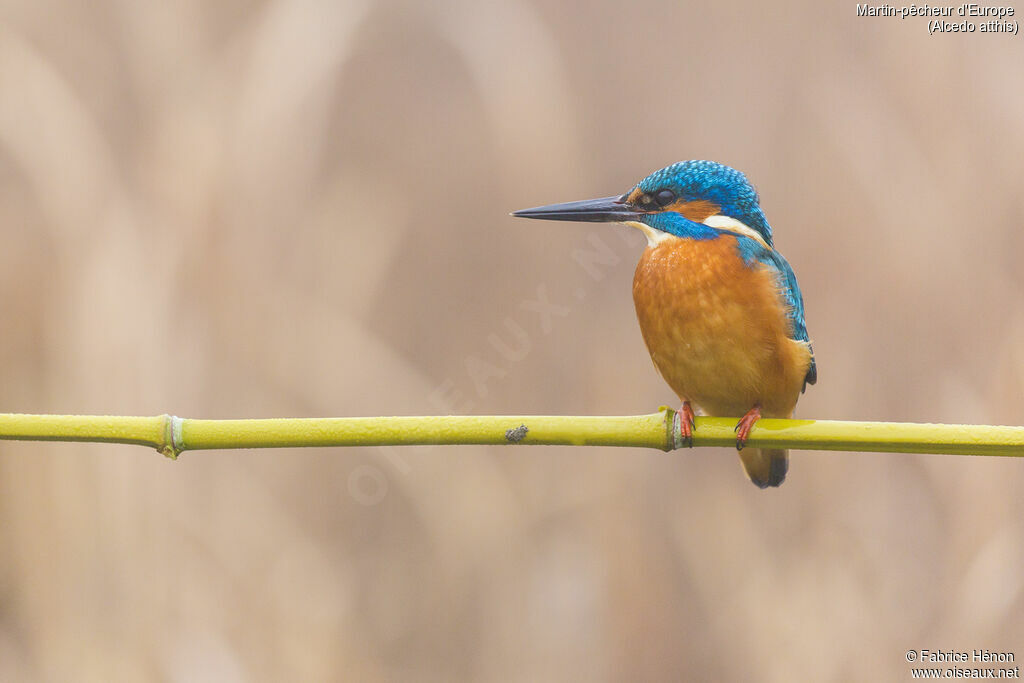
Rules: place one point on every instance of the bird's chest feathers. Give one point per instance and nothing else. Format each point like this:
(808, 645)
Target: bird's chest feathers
(713, 324)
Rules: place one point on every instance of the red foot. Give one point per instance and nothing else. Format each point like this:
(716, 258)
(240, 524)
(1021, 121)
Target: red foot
(685, 423)
(744, 426)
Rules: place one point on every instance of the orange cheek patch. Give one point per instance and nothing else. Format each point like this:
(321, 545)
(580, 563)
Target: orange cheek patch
(696, 211)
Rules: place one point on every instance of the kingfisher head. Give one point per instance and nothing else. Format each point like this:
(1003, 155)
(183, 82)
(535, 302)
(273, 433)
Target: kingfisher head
(696, 199)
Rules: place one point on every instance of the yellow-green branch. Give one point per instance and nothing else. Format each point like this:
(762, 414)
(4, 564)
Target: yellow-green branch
(172, 435)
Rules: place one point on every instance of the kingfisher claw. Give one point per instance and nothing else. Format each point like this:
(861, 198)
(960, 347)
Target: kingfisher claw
(685, 424)
(744, 426)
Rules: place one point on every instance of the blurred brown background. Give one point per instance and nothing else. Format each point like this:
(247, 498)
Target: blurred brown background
(301, 209)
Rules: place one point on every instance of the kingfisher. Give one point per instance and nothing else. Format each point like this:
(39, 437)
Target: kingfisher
(719, 308)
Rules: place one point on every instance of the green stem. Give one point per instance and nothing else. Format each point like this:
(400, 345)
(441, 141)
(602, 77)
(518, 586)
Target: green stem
(172, 435)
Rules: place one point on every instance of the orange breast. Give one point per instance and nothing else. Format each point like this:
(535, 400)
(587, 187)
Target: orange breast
(716, 329)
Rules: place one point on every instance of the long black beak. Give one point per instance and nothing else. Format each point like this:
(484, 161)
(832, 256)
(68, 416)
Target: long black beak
(604, 210)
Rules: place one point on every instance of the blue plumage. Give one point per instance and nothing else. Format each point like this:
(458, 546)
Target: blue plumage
(680, 226)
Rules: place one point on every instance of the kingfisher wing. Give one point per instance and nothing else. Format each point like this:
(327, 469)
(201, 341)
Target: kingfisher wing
(789, 289)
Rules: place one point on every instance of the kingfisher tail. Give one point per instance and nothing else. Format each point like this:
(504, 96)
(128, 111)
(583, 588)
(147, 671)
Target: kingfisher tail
(765, 466)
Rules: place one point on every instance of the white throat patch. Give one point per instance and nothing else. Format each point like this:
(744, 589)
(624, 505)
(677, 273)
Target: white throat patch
(654, 236)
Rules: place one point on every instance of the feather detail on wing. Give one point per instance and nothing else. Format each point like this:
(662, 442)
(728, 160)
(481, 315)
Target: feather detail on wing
(789, 289)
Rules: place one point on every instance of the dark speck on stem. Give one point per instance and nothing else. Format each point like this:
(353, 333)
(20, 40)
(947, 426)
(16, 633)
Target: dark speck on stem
(516, 435)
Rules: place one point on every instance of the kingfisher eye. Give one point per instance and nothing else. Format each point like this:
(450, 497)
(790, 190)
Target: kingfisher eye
(665, 197)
